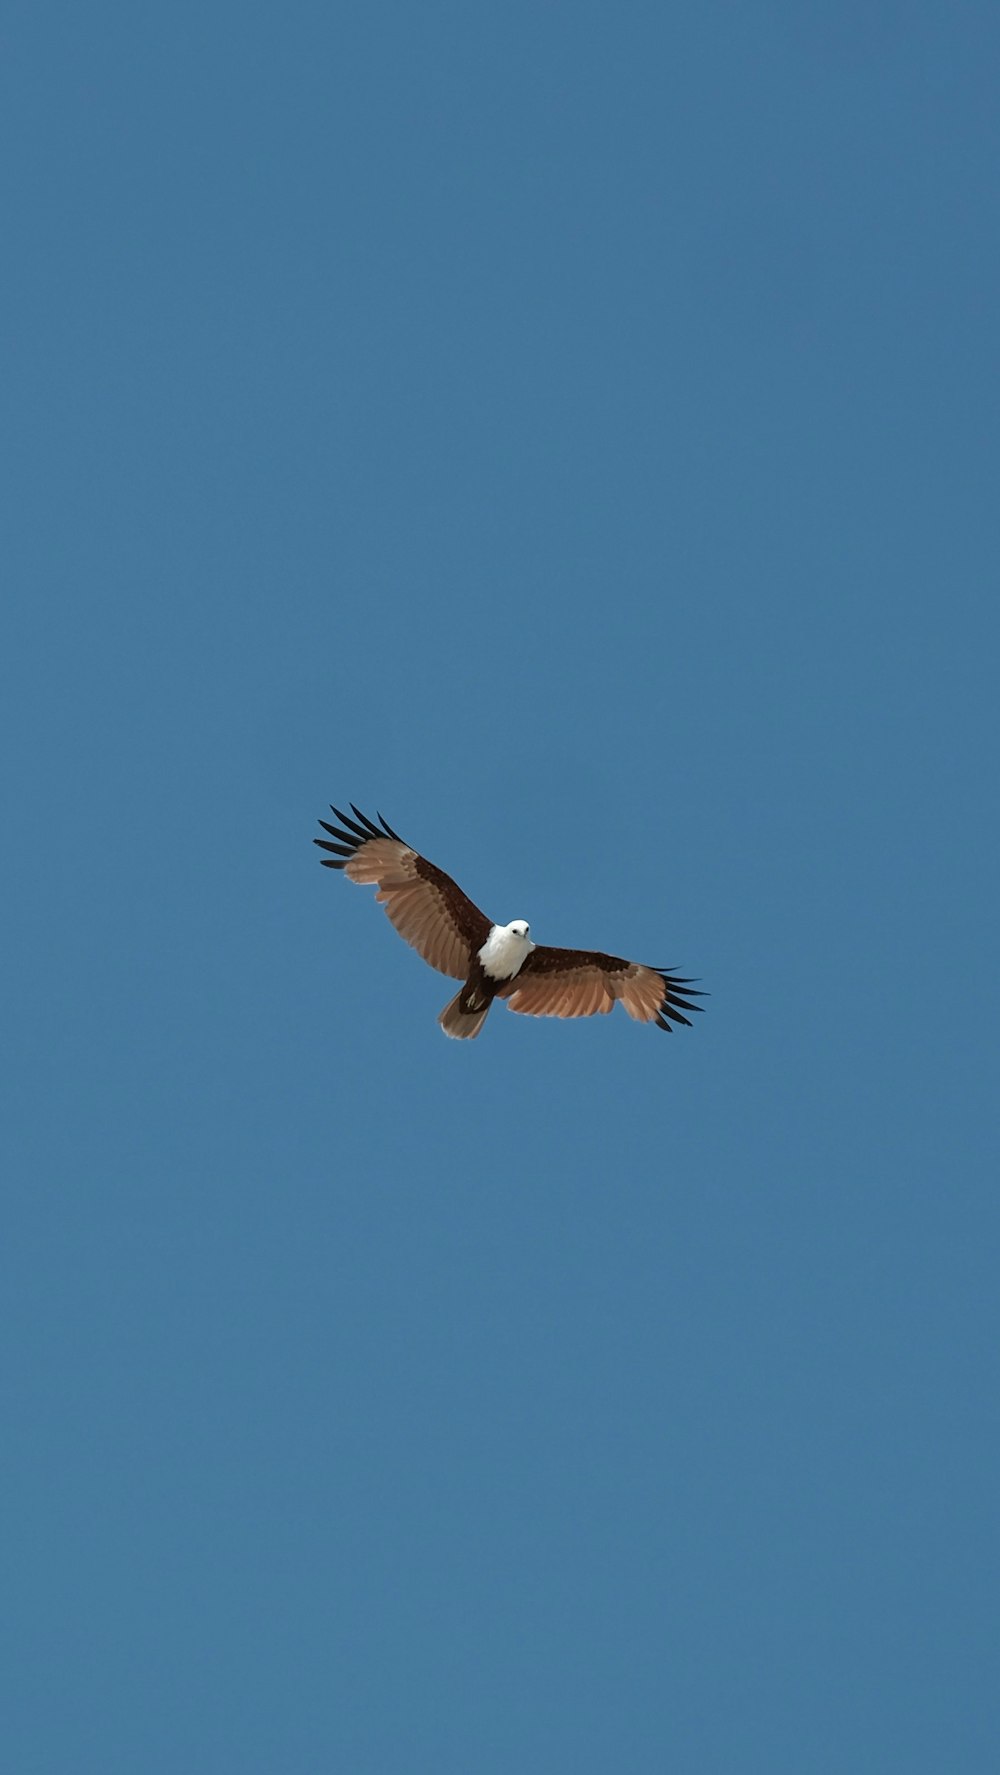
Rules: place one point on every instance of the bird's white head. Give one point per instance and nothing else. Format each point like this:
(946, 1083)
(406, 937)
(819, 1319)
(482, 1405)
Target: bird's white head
(506, 948)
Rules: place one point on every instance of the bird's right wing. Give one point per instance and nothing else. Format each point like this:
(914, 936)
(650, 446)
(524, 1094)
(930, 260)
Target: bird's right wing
(584, 982)
(425, 905)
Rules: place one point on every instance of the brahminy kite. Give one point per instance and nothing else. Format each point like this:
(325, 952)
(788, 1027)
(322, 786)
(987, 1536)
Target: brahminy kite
(493, 960)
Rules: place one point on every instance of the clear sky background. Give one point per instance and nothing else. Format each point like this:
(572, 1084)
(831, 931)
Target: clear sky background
(572, 429)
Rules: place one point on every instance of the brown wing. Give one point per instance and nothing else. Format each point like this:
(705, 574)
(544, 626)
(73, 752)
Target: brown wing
(424, 904)
(581, 982)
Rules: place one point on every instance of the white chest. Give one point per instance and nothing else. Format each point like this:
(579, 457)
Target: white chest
(504, 952)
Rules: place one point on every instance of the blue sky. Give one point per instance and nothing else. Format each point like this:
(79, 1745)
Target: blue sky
(572, 430)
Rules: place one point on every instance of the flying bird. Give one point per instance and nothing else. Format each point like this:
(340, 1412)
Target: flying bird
(493, 960)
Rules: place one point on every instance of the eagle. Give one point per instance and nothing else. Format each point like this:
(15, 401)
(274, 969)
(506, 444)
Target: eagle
(493, 960)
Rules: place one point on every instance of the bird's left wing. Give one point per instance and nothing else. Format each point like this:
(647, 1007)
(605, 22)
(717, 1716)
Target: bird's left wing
(427, 908)
(583, 982)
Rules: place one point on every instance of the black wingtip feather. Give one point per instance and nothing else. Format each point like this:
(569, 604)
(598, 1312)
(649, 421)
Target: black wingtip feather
(372, 829)
(345, 838)
(352, 826)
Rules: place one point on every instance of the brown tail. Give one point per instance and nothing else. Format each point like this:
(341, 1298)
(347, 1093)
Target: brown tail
(462, 1025)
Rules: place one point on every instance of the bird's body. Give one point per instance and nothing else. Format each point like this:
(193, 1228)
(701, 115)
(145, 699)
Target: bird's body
(493, 961)
(500, 959)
